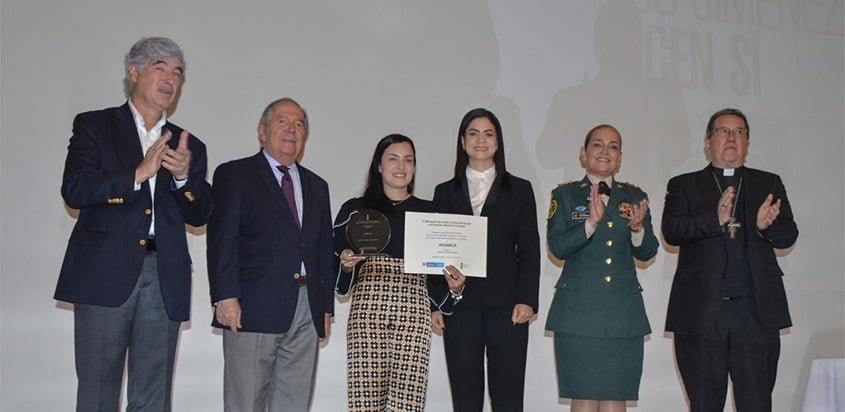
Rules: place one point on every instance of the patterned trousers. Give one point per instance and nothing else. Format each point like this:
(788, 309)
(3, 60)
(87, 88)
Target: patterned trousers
(388, 338)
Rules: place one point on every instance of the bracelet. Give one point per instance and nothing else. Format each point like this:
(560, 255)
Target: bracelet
(457, 296)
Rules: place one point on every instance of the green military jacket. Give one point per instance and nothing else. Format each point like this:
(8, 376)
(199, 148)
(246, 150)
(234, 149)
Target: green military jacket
(598, 294)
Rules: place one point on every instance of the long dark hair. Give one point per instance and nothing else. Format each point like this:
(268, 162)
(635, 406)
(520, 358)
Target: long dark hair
(461, 157)
(374, 197)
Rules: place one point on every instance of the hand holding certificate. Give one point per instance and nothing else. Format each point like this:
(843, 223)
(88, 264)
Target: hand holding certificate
(435, 240)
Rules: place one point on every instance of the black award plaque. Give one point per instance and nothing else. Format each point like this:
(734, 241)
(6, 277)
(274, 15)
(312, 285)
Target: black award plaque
(368, 232)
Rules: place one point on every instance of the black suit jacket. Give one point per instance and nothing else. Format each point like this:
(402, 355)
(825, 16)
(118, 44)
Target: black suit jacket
(105, 250)
(690, 221)
(513, 243)
(255, 246)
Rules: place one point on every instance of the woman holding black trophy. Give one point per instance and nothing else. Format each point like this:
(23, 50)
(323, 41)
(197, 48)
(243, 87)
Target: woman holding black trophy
(389, 328)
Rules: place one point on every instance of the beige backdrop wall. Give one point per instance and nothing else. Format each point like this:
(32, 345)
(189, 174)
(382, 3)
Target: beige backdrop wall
(550, 69)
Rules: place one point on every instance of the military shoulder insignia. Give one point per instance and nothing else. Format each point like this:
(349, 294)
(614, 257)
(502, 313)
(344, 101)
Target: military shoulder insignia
(566, 183)
(629, 184)
(626, 210)
(552, 209)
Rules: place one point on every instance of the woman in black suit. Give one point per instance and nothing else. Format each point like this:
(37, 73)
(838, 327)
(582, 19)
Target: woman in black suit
(494, 312)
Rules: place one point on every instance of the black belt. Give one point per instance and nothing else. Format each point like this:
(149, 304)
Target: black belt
(733, 297)
(151, 245)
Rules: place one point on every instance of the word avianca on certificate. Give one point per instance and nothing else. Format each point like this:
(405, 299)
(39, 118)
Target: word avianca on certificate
(434, 240)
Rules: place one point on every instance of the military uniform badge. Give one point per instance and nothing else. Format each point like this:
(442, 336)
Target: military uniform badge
(626, 210)
(552, 209)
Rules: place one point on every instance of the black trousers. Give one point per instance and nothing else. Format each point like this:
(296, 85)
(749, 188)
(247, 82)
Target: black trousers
(473, 332)
(739, 346)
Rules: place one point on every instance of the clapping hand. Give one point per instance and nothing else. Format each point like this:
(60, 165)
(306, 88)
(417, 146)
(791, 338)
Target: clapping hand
(638, 217)
(768, 212)
(177, 161)
(152, 160)
(596, 206)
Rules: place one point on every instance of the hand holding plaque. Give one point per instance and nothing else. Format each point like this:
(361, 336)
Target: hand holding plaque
(368, 232)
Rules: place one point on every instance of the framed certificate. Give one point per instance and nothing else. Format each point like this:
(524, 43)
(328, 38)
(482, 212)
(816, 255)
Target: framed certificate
(434, 240)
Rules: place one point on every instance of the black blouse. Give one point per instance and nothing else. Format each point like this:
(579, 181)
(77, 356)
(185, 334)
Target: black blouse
(395, 248)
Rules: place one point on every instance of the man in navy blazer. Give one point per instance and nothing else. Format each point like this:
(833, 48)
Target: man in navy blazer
(728, 300)
(271, 267)
(136, 179)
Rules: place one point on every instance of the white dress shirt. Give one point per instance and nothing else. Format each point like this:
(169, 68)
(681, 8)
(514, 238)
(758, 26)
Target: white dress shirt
(148, 137)
(479, 187)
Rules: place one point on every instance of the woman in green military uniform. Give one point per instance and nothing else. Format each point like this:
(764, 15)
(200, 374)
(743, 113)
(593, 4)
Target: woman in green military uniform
(599, 226)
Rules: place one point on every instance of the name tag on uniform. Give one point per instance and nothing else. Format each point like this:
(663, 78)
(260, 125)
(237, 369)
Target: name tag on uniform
(580, 213)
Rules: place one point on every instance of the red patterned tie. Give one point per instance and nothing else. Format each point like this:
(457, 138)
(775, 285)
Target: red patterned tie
(287, 190)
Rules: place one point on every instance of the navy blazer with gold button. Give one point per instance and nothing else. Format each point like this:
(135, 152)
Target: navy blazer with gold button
(598, 294)
(108, 243)
(256, 249)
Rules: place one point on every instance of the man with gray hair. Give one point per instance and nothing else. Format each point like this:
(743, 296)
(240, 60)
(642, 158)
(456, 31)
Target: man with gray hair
(271, 267)
(136, 179)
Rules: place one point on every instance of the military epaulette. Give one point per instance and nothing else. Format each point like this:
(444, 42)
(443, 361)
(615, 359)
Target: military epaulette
(623, 184)
(568, 182)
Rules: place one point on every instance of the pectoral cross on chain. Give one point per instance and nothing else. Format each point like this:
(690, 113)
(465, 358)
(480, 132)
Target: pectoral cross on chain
(733, 225)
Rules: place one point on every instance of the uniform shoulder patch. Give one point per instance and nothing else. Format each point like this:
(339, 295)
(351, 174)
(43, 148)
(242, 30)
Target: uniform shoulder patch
(629, 184)
(552, 209)
(568, 182)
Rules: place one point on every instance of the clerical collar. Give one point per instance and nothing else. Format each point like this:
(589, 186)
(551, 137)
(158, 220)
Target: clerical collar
(727, 172)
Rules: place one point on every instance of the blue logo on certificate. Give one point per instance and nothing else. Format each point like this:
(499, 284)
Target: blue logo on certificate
(434, 264)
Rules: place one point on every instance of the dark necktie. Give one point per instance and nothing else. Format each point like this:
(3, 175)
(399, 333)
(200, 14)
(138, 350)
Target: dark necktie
(604, 189)
(287, 190)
